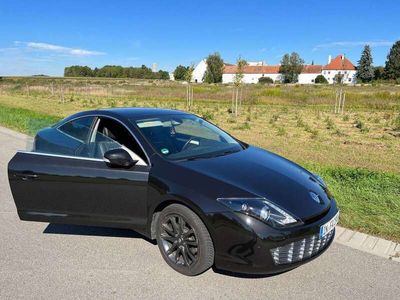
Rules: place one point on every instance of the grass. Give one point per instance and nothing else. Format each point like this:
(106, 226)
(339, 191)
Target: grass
(369, 201)
(357, 153)
(24, 120)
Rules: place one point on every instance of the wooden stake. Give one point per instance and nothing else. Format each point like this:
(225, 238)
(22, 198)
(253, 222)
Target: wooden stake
(233, 97)
(334, 110)
(62, 93)
(192, 95)
(236, 102)
(344, 98)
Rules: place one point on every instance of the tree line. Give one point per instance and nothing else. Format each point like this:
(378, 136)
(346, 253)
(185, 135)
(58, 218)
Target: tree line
(142, 72)
(292, 64)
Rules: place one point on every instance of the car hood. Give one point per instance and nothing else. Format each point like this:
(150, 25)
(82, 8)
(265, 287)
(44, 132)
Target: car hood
(264, 174)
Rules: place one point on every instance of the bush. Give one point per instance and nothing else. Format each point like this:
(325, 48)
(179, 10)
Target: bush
(265, 80)
(321, 79)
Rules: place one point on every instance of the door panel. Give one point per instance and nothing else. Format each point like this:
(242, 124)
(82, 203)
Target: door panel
(63, 189)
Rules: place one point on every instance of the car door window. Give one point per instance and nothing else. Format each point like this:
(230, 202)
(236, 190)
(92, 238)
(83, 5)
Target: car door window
(89, 137)
(78, 129)
(110, 133)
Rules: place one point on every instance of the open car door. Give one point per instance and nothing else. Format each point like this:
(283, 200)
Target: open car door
(60, 188)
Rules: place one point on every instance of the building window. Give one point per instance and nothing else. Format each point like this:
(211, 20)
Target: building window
(349, 79)
(329, 72)
(345, 72)
(312, 80)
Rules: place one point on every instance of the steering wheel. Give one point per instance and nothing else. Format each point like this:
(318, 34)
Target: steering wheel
(188, 143)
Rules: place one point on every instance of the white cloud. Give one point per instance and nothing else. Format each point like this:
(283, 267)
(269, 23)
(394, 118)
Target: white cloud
(60, 49)
(352, 44)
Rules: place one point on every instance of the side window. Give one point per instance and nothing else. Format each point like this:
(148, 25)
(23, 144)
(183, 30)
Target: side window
(78, 129)
(109, 130)
(85, 137)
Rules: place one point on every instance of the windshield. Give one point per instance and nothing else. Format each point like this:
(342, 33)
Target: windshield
(186, 137)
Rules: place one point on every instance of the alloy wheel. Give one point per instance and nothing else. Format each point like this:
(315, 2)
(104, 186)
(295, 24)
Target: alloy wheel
(179, 240)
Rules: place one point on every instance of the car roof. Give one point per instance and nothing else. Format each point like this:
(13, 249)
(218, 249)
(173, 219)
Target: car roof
(139, 112)
(134, 113)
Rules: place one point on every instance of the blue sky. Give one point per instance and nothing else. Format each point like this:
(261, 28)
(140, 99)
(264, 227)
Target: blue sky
(42, 37)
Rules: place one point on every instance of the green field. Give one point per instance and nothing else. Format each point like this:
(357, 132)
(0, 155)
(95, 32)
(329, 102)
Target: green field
(357, 152)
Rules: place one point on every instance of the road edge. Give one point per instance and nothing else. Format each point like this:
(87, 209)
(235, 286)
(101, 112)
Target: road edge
(368, 243)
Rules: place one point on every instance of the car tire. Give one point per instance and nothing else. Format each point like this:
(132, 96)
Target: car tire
(184, 241)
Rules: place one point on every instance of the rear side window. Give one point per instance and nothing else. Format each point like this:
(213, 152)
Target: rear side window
(78, 129)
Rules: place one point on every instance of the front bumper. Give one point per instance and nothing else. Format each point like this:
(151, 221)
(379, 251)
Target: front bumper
(245, 245)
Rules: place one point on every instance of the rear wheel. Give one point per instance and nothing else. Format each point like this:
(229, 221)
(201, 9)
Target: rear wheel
(184, 241)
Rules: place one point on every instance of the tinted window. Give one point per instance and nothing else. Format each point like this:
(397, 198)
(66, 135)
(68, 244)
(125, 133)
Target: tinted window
(186, 137)
(117, 132)
(79, 128)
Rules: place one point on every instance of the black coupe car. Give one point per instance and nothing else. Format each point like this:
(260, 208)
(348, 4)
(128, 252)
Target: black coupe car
(206, 197)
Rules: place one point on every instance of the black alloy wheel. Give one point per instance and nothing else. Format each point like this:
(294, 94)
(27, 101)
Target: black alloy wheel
(184, 241)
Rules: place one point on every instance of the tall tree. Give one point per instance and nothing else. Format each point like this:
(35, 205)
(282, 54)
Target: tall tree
(291, 66)
(392, 67)
(215, 68)
(180, 72)
(365, 70)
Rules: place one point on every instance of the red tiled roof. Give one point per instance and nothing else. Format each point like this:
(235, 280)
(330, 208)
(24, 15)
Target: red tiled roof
(339, 63)
(231, 69)
(310, 69)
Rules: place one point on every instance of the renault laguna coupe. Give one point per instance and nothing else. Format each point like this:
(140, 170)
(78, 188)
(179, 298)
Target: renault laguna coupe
(205, 196)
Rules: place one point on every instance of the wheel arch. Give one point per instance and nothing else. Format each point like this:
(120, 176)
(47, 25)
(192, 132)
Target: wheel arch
(163, 204)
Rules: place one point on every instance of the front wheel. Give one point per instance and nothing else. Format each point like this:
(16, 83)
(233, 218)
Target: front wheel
(184, 241)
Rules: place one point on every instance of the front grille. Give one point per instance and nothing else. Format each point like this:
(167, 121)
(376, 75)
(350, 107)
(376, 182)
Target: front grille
(300, 250)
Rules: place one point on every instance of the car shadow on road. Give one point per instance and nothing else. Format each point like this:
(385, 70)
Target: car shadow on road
(53, 228)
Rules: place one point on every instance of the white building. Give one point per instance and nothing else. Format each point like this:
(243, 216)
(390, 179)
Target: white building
(339, 66)
(199, 71)
(309, 73)
(251, 74)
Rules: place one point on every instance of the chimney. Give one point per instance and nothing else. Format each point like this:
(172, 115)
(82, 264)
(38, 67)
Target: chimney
(342, 56)
(329, 59)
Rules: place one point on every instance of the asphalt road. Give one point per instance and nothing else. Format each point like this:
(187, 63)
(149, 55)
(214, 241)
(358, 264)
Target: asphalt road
(43, 261)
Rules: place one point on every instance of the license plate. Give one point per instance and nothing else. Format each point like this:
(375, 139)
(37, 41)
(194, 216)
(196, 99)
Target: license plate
(328, 226)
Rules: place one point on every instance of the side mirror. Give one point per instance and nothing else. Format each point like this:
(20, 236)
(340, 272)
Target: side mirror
(119, 158)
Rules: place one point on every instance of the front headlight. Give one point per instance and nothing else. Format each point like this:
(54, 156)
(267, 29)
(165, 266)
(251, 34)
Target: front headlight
(261, 209)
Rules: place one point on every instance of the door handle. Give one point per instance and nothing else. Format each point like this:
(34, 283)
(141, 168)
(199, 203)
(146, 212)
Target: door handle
(26, 175)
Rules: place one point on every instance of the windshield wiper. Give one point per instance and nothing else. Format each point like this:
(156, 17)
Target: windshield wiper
(212, 155)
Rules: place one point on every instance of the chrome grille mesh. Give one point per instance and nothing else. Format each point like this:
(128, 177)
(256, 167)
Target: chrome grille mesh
(300, 250)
